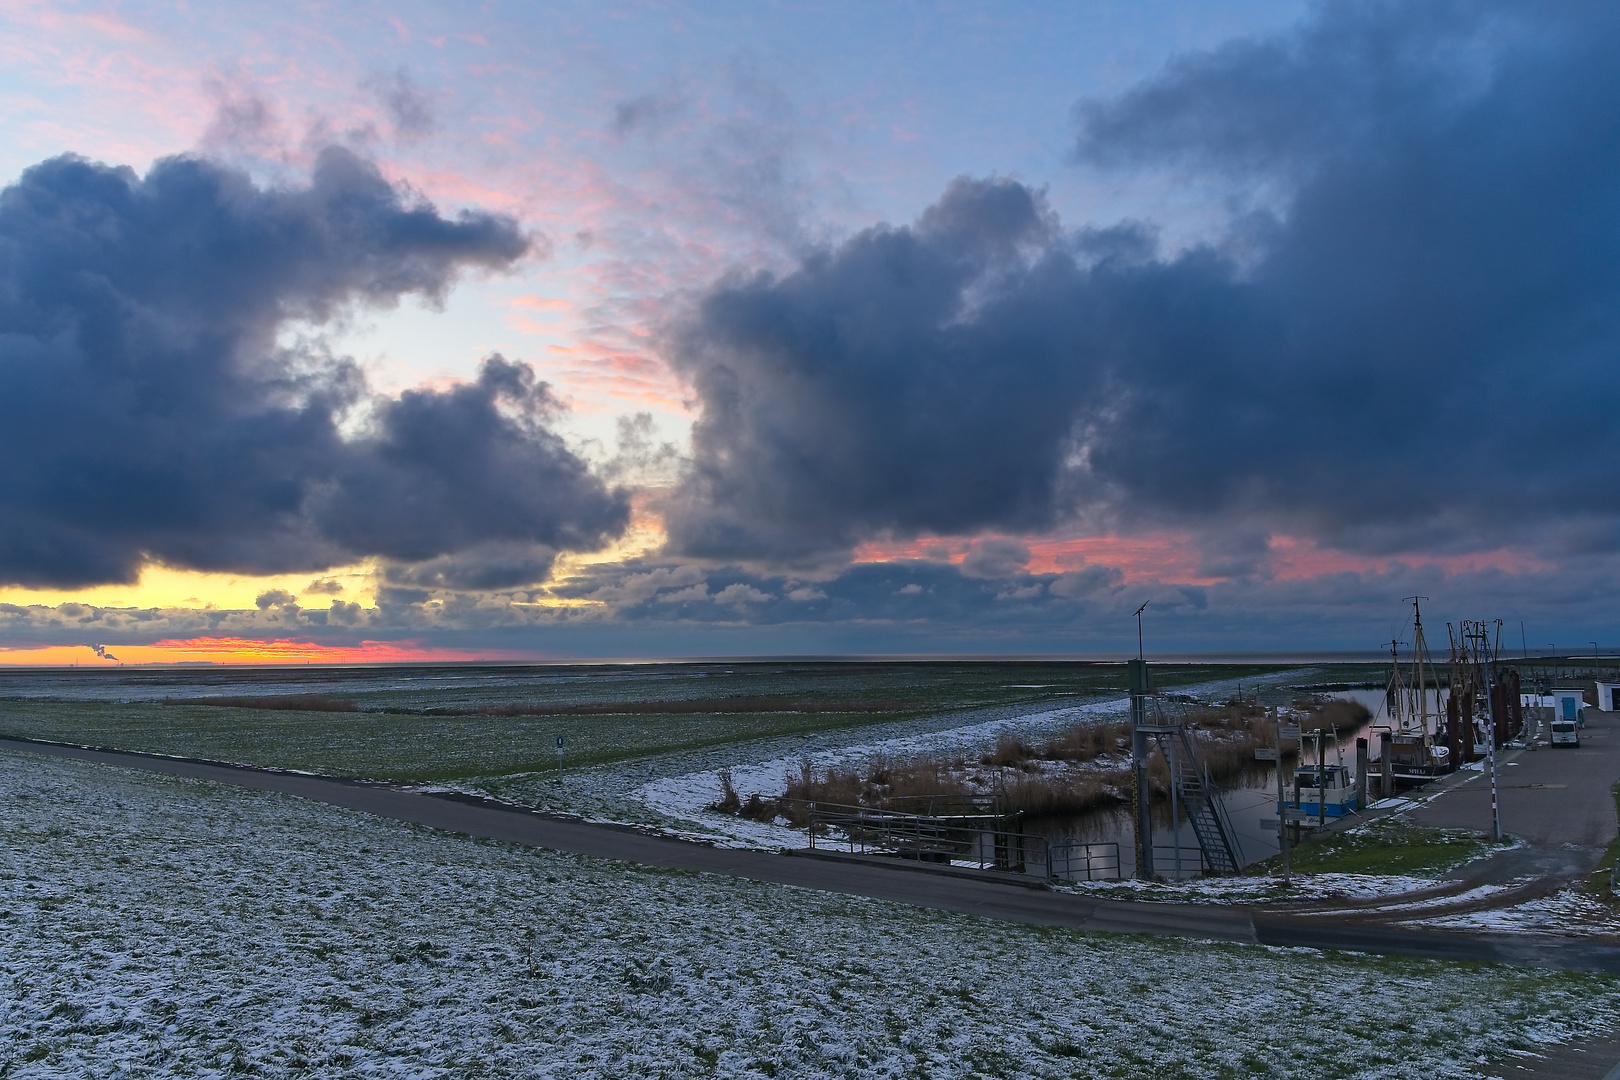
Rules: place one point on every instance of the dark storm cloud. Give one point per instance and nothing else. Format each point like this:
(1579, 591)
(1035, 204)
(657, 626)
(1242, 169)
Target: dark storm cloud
(1340, 86)
(443, 471)
(873, 387)
(1418, 348)
(495, 565)
(146, 410)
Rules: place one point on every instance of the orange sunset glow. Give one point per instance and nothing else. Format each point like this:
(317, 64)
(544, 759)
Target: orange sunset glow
(236, 650)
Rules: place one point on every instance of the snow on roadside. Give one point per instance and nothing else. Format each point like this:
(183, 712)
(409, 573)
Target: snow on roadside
(156, 926)
(1569, 912)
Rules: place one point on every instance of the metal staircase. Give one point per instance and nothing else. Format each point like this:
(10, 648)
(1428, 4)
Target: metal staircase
(1196, 793)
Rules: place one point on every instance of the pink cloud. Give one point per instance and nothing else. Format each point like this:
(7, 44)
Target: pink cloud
(1168, 556)
(1294, 558)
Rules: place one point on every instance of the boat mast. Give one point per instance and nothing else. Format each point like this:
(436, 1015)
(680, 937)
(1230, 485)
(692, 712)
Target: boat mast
(1419, 647)
(1394, 691)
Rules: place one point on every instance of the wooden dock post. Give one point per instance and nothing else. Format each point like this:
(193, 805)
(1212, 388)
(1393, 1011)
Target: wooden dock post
(1361, 776)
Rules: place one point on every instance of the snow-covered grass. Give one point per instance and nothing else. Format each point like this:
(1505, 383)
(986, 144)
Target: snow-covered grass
(154, 926)
(1569, 913)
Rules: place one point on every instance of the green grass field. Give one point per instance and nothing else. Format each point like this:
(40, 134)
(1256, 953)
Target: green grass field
(1389, 846)
(435, 732)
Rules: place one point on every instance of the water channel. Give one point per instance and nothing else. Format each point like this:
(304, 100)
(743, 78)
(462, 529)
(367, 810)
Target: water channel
(1250, 805)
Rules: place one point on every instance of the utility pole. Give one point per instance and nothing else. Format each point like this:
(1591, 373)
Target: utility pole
(1139, 690)
(1282, 803)
(1496, 730)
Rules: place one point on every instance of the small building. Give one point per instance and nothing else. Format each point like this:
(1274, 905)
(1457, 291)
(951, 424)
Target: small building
(1569, 703)
(1608, 696)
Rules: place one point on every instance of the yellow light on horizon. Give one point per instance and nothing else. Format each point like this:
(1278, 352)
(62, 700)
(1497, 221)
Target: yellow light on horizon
(170, 587)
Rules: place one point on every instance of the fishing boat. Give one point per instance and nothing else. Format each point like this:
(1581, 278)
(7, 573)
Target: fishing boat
(1323, 792)
(1415, 755)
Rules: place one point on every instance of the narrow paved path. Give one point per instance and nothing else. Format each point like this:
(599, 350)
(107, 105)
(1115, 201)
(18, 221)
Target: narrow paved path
(1581, 1059)
(1007, 901)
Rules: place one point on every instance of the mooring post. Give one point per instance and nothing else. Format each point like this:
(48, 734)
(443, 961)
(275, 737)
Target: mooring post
(1361, 776)
(1387, 786)
(1468, 704)
(1142, 795)
(1468, 747)
(1321, 780)
(1456, 717)
(1496, 812)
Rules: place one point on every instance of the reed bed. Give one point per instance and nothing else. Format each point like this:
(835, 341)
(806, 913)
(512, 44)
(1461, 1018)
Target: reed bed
(1077, 771)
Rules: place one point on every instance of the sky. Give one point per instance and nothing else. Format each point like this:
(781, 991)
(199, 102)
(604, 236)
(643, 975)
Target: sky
(523, 331)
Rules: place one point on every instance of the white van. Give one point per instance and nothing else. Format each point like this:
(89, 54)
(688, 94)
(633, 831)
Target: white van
(1568, 717)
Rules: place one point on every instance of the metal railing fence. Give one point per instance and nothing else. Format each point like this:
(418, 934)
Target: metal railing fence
(986, 841)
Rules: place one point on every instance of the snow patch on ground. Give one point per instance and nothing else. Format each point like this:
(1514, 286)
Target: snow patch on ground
(154, 926)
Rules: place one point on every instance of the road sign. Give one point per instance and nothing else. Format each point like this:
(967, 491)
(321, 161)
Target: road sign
(559, 744)
(1288, 732)
(1294, 813)
(1265, 753)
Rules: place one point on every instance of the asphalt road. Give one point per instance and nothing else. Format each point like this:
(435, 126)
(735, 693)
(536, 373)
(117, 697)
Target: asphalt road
(1006, 901)
(1550, 798)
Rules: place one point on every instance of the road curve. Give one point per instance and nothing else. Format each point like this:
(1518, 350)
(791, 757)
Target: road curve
(1006, 901)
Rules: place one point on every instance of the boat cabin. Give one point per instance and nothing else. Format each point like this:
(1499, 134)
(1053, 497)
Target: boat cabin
(1323, 791)
(1413, 756)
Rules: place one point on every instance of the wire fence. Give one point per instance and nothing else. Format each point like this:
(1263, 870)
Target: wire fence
(1077, 860)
